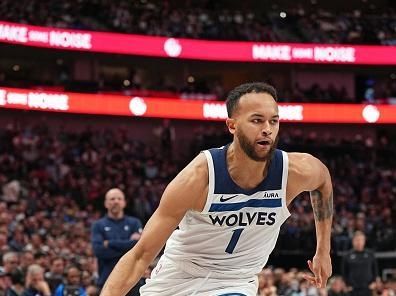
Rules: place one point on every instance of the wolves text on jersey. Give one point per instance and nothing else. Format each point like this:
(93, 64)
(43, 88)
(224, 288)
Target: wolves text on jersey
(244, 219)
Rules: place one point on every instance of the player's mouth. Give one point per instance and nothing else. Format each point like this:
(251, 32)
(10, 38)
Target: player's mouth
(264, 143)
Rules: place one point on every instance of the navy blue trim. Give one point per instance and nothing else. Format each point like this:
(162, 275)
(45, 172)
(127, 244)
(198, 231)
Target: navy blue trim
(251, 203)
(224, 183)
(233, 294)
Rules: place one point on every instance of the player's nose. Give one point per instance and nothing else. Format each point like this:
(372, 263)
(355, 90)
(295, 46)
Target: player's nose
(266, 129)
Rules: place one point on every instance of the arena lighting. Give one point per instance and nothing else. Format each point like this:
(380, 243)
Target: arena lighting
(137, 106)
(122, 105)
(371, 113)
(195, 49)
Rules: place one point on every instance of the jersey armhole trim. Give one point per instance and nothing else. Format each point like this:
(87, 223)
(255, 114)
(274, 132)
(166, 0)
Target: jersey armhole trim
(211, 181)
(285, 175)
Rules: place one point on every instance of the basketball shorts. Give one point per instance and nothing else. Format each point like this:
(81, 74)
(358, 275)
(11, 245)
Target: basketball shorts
(170, 278)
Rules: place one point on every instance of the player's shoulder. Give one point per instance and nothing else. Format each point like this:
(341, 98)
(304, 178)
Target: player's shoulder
(304, 164)
(200, 161)
(197, 169)
(301, 161)
(301, 157)
(191, 182)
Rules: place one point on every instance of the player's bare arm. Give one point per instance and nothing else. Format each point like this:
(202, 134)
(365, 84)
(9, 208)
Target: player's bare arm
(307, 173)
(187, 191)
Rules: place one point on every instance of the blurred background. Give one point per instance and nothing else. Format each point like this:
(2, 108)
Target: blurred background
(124, 119)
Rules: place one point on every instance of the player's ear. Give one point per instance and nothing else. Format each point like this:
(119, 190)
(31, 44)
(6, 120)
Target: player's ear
(230, 122)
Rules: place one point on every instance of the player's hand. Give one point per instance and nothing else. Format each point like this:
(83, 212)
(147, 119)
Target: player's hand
(135, 236)
(321, 268)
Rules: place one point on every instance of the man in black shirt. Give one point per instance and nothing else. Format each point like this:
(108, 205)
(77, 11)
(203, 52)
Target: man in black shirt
(359, 267)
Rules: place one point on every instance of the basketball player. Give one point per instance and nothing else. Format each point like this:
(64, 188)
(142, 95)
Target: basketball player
(229, 204)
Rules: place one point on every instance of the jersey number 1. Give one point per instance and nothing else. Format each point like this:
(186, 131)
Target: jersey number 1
(234, 240)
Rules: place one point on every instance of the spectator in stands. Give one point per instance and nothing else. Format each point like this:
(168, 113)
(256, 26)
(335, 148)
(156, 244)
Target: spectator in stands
(10, 262)
(4, 283)
(86, 278)
(4, 247)
(10, 265)
(337, 287)
(166, 135)
(27, 259)
(54, 276)
(73, 285)
(42, 259)
(35, 283)
(92, 291)
(359, 267)
(19, 239)
(266, 283)
(114, 234)
(18, 281)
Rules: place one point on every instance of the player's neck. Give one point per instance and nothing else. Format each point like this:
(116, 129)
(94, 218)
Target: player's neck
(244, 170)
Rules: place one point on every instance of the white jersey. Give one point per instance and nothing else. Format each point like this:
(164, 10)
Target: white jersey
(237, 229)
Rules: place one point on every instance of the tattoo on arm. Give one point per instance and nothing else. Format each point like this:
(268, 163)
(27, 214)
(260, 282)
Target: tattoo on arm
(323, 208)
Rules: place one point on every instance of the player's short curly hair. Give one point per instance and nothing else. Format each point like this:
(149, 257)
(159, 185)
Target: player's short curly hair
(253, 87)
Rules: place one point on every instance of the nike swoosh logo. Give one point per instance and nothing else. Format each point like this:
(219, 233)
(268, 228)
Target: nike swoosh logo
(223, 199)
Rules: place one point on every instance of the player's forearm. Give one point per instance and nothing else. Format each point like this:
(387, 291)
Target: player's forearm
(322, 205)
(125, 274)
(122, 245)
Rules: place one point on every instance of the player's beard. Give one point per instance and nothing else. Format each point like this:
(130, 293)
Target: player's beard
(249, 150)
